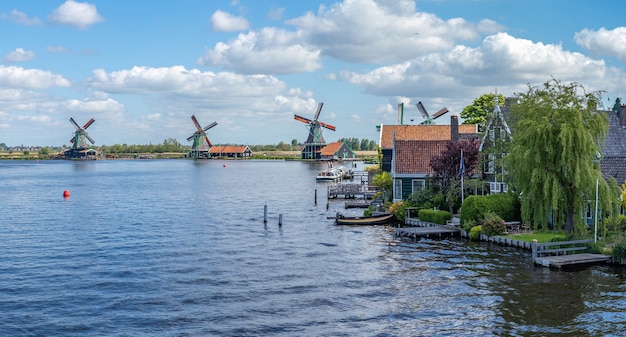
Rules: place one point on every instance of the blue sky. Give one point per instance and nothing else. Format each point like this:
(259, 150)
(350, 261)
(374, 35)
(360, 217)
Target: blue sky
(141, 69)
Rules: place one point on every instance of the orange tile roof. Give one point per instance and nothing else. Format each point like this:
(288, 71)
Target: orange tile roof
(228, 149)
(331, 149)
(420, 132)
(413, 156)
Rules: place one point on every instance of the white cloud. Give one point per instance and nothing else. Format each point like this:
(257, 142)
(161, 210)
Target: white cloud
(225, 22)
(78, 14)
(358, 31)
(365, 31)
(179, 80)
(501, 61)
(19, 55)
(604, 42)
(269, 50)
(18, 77)
(21, 18)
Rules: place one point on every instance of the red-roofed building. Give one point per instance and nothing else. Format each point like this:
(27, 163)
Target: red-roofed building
(454, 132)
(336, 151)
(408, 149)
(231, 151)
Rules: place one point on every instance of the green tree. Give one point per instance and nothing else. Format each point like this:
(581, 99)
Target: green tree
(384, 181)
(553, 153)
(479, 111)
(45, 151)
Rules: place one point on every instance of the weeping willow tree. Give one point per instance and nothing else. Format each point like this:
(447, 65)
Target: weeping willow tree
(554, 156)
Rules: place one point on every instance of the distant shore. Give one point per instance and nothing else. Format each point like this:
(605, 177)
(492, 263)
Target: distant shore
(294, 155)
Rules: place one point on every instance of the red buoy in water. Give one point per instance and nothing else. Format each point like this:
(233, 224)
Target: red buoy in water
(66, 194)
(224, 165)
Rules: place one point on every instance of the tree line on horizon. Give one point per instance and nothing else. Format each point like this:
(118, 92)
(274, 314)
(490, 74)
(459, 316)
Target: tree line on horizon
(173, 145)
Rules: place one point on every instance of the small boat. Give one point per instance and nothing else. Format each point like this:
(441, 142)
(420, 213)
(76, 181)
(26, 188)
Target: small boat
(340, 219)
(332, 174)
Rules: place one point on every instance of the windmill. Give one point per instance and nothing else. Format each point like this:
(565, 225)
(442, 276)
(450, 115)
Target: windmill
(79, 141)
(428, 120)
(315, 140)
(201, 143)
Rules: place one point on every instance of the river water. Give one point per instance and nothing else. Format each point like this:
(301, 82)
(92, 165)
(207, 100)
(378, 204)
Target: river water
(179, 248)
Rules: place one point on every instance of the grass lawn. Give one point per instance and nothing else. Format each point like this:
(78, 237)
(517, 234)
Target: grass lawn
(539, 236)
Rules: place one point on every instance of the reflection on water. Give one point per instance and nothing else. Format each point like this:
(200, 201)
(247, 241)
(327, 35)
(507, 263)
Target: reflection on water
(177, 247)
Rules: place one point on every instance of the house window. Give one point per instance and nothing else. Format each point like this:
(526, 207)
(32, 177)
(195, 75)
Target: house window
(418, 185)
(397, 189)
(505, 187)
(494, 187)
(491, 163)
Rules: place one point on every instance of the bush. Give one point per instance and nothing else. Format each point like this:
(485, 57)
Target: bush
(475, 233)
(399, 209)
(504, 205)
(596, 248)
(438, 217)
(619, 251)
(493, 225)
(467, 226)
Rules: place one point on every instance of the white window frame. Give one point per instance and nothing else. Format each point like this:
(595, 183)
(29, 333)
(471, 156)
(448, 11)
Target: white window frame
(421, 182)
(397, 189)
(494, 187)
(491, 163)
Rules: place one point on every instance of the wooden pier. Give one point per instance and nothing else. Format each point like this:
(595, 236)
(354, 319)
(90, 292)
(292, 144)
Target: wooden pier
(566, 254)
(425, 229)
(437, 231)
(350, 191)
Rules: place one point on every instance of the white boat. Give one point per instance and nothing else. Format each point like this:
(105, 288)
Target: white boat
(331, 174)
(334, 174)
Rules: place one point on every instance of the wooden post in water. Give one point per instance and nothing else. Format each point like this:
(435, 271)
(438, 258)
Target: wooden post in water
(265, 213)
(280, 219)
(316, 197)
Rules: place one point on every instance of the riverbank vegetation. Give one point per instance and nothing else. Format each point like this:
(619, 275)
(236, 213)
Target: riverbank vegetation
(552, 168)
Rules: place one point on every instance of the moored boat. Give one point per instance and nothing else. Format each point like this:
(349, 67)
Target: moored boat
(331, 174)
(334, 174)
(381, 219)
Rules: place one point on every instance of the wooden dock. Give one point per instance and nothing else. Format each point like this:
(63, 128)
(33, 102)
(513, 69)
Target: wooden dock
(566, 254)
(350, 191)
(357, 203)
(436, 231)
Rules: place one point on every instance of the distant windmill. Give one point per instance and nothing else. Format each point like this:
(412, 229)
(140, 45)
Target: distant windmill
(315, 140)
(201, 143)
(428, 120)
(79, 141)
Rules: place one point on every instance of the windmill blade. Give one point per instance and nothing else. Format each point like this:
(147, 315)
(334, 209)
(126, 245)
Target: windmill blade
(90, 139)
(302, 119)
(88, 123)
(208, 142)
(328, 126)
(210, 126)
(191, 137)
(319, 110)
(422, 110)
(195, 121)
(75, 124)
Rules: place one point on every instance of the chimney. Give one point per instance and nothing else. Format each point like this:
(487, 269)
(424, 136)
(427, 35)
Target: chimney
(622, 115)
(454, 128)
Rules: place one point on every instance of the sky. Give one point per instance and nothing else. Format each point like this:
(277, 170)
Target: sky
(141, 69)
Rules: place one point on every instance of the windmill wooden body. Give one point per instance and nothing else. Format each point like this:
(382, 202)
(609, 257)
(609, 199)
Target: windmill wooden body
(315, 139)
(201, 143)
(80, 147)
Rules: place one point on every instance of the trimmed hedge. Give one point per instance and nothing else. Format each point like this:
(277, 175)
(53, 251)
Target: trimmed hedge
(438, 217)
(475, 207)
